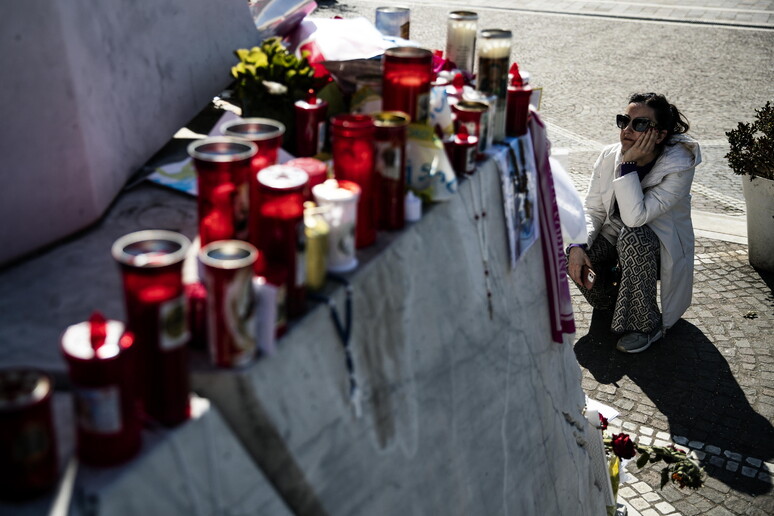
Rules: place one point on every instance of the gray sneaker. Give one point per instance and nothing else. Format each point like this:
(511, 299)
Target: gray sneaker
(636, 342)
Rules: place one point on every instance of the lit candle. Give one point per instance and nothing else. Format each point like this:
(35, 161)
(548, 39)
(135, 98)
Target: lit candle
(461, 39)
(101, 362)
(341, 199)
(408, 72)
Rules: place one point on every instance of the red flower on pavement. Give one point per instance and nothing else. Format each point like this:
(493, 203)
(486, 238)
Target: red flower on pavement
(623, 446)
(602, 422)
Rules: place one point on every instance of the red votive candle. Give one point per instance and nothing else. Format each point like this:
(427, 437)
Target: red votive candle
(101, 360)
(311, 115)
(408, 72)
(464, 153)
(315, 169)
(517, 109)
(28, 459)
(151, 266)
(281, 235)
(223, 168)
(471, 115)
(390, 177)
(352, 143)
(266, 134)
(231, 307)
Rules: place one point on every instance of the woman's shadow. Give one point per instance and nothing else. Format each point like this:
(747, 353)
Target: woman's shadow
(690, 382)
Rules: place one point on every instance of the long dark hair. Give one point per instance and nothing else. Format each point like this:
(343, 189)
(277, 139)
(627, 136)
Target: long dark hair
(668, 117)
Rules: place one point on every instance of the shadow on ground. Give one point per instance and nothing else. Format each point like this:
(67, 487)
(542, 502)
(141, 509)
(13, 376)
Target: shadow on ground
(690, 382)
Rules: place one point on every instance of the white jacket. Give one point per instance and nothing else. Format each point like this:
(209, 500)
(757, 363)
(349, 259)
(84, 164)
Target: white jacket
(663, 202)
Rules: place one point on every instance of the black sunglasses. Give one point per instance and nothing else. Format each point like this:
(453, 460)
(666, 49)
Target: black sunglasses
(639, 124)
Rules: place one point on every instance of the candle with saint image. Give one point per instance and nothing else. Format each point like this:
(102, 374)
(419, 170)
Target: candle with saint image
(223, 178)
(151, 264)
(493, 58)
(461, 39)
(266, 134)
(408, 72)
(102, 362)
(340, 198)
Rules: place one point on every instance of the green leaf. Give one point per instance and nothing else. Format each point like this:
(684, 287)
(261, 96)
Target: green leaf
(642, 459)
(664, 477)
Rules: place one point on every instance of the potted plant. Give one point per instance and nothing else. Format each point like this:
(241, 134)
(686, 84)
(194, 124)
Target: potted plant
(751, 155)
(269, 80)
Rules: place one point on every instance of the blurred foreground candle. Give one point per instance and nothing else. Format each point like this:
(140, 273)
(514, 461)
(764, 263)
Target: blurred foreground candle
(151, 266)
(101, 359)
(518, 104)
(341, 200)
(266, 134)
(280, 226)
(223, 177)
(408, 72)
(317, 230)
(231, 305)
(353, 160)
(390, 162)
(28, 458)
(393, 21)
(316, 170)
(493, 57)
(461, 39)
(311, 115)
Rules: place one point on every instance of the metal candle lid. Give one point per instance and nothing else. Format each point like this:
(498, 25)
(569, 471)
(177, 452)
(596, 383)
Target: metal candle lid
(463, 15)
(410, 54)
(496, 34)
(76, 341)
(21, 388)
(151, 248)
(228, 254)
(391, 119)
(253, 129)
(471, 105)
(282, 178)
(222, 149)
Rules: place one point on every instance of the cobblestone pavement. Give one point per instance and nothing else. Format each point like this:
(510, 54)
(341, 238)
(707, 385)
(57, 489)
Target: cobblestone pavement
(706, 386)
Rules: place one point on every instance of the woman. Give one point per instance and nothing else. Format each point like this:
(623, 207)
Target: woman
(638, 215)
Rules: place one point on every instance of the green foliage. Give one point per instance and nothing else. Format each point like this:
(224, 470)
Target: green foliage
(271, 74)
(752, 145)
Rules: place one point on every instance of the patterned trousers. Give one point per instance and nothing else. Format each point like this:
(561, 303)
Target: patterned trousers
(626, 279)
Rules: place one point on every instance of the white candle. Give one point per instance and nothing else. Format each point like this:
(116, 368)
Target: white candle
(461, 39)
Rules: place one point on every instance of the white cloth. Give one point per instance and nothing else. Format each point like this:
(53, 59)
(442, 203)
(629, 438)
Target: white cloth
(570, 206)
(663, 202)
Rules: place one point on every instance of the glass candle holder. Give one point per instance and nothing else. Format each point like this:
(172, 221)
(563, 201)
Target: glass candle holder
(461, 30)
(266, 134)
(281, 229)
(354, 160)
(317, 229)
(316, 170)
(408, 72)
(390, 164)
(101, 360)
(494, 54)
(341, 200)
(231, 307)
(28, 458)
(393, 21)
(472, 115)
(223, 167)
(151, 265)
(311, 116)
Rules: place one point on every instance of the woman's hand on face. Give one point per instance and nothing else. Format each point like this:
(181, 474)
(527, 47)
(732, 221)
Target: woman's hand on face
(576, 260)
(644, 149)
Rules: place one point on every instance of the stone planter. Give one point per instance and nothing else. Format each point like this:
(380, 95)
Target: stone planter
(759, 196)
